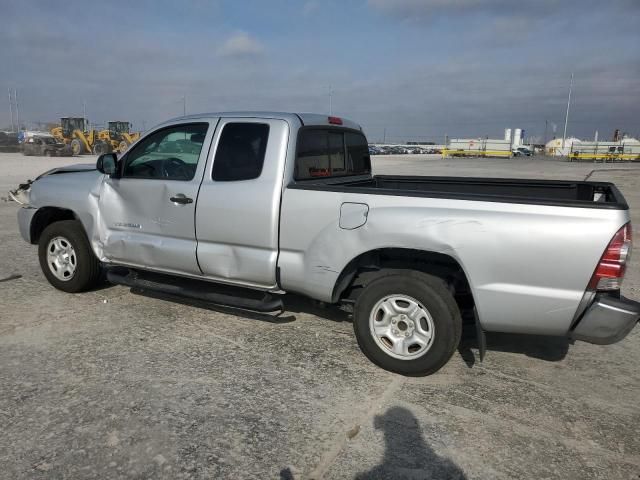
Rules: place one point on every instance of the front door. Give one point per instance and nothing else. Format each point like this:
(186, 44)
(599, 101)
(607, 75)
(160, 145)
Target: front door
(148, 214)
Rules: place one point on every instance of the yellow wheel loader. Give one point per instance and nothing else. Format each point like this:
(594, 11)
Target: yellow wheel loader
(117, 138)
(75, 131)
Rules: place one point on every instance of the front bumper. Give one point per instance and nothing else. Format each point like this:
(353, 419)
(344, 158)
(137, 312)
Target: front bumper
(25, 215)
(608, 320)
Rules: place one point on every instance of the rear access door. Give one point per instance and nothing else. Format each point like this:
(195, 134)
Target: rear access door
(238, 210)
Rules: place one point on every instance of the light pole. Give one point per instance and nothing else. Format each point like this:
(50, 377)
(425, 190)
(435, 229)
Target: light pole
(10, 108)
(15, 97)
(566, 117)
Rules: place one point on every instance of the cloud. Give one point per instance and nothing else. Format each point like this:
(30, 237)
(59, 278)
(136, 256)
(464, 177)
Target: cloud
(240, 44)
(464, 75)
(422, 9)
(310, 7)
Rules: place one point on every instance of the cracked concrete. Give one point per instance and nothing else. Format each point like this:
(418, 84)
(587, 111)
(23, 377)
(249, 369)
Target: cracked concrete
(114, 384)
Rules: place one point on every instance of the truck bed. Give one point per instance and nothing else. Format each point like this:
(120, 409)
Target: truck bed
(541, 192)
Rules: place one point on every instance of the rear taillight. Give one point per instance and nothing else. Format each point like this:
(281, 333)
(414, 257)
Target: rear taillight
(610, 270)
(335, 120)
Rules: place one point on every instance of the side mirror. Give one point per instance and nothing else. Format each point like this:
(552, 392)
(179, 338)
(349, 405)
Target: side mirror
(107, 163)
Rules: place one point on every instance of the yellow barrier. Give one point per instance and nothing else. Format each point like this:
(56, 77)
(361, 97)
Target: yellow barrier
(606, 156)
(476, 153)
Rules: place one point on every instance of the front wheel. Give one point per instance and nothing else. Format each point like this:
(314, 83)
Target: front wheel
(407, 323)
(77, 147)
(66, 258)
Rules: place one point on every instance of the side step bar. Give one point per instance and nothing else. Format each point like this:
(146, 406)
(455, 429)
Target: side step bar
(228, 296)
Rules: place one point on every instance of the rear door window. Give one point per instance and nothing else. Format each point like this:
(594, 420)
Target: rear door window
(241, 151)
(331, 153)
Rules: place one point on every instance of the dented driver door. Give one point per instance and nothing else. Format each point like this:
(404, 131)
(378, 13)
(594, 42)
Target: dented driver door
(147, 216)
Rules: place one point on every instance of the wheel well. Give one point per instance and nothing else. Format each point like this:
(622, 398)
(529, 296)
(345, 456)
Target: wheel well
(368, 266)
(46, 216)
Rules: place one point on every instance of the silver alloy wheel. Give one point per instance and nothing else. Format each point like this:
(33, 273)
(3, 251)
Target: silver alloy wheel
(402, 327)
(61, 258)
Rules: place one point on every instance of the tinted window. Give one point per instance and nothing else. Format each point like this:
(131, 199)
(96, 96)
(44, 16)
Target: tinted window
(331, 152)
(358, 153)
(171, 153)
(313, 154)
(336, 154)
(240, 153)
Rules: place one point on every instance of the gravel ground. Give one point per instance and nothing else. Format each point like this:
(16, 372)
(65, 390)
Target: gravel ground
(112, 384)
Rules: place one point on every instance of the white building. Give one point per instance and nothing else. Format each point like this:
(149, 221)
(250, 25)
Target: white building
(554, 147)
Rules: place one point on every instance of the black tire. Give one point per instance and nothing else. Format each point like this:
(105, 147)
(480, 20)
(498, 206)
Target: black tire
(87, 266)
(77, 147)
(430, 292)
(101, 147)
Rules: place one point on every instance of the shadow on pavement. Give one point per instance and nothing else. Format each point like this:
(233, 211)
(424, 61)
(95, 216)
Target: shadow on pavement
(550, 349)
(406, 453)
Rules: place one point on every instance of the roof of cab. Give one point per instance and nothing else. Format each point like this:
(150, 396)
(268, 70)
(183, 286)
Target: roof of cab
(305, 119)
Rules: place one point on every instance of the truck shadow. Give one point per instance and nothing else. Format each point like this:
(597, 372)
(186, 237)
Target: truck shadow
(550, 349)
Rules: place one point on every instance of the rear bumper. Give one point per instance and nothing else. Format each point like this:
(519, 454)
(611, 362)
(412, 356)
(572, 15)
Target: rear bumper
(608, 320)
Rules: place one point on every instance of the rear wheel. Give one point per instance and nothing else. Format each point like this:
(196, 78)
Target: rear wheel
(407, 323)
(66, 258)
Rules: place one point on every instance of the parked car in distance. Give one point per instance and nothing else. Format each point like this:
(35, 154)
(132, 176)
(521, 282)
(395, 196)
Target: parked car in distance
(239, 208)
(46, 146)
(522, 152)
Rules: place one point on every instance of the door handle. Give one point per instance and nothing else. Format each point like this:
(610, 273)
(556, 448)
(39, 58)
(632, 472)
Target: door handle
(181, 199)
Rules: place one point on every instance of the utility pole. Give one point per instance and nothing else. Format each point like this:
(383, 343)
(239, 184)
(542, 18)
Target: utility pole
(566, 117)
(10, 108)
(15, 97)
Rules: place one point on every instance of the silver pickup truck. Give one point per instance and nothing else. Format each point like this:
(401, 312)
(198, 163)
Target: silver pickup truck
(239, 208)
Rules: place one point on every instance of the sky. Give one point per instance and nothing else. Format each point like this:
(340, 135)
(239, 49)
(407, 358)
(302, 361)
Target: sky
(404, 69)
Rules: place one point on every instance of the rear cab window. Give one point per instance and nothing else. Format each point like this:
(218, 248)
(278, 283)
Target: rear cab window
(331, 152)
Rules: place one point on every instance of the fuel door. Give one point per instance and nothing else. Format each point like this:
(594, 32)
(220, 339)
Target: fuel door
(353, 215)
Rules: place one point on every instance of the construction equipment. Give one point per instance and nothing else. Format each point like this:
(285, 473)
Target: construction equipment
(75, 132)
(117, 138)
